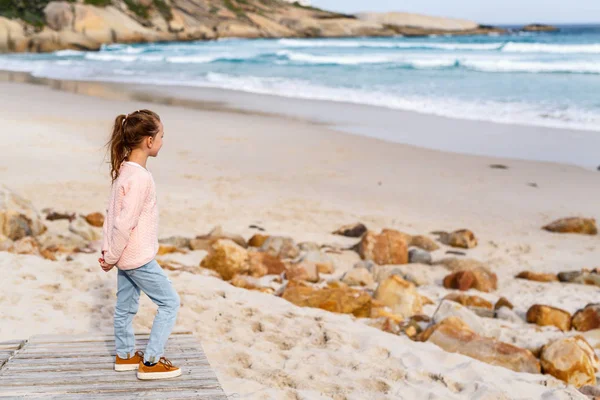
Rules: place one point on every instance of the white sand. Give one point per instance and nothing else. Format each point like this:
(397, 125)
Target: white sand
(303, 180)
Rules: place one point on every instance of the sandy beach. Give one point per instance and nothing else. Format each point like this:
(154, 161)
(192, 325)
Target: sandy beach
(294, 175)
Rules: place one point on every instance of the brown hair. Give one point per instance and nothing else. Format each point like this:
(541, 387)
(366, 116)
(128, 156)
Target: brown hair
(128, 132)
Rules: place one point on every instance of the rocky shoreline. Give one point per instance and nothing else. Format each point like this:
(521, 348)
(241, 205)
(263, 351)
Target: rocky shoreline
(45, 26)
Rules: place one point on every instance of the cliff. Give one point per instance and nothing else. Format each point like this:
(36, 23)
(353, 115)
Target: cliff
(41, 25)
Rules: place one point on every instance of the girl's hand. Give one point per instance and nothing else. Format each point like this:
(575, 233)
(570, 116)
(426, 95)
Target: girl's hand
(105, 267)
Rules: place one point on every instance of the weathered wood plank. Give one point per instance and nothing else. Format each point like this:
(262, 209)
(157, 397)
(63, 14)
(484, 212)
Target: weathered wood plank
(93, 377)
(108, 359)
(91, 353)
(127, 394)
(172, 384)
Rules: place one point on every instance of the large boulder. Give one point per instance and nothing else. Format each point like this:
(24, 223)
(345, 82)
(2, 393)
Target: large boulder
(388, 247)
(587, 318)
(570, 359)
(454, 336)
(543, 315)
(586, 226)
(264, 264)
(227, 258)
(12, 35)
(335, 299)
(18, 217)
(304, 271)
(400, 296)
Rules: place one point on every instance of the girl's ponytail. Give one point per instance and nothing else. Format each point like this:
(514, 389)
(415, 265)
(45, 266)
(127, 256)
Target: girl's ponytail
(128, 132)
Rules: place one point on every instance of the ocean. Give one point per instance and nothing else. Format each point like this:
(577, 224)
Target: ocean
(542, 79)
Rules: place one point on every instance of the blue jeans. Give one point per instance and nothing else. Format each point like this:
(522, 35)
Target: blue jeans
(154, 282)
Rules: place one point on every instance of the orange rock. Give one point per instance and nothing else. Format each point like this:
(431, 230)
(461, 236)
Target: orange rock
(479, 278)
(388, 247)
(586, 226)
(469, 301)
(545, 316)
(95, 219)
(425, 243)
(537, 276)
(454, 336)
(305, 271)
(257, 240)
(167, 249)
(227, 258)
(264, 264)
(339, 300)
(570, 359)
(503, 302)
(400, 296)
(587, 318)
(462, 238)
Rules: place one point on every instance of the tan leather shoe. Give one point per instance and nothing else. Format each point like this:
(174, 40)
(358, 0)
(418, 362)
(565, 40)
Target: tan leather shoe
(163, 369)
(129, 364)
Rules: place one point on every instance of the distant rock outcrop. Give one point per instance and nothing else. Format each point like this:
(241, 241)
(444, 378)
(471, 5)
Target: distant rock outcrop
(41, 26)
(539, 28)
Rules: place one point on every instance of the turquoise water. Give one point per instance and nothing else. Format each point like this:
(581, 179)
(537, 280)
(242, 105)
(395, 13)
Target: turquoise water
(548, 79)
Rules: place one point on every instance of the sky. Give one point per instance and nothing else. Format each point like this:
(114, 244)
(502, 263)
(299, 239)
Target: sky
(482, 11)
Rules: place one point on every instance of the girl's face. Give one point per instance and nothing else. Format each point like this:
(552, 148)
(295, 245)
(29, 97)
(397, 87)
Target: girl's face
(157, 142)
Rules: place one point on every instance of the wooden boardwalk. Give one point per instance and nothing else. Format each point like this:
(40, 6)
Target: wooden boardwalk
(69, 367)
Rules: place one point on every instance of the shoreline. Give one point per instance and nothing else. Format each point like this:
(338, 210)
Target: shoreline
(465, 136)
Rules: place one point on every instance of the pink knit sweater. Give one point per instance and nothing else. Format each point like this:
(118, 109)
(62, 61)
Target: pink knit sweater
(130, 231)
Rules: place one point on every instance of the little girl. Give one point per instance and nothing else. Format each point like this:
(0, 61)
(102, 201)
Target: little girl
(130, 242)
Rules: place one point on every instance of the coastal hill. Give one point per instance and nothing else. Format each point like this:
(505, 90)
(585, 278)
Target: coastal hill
(42, 26)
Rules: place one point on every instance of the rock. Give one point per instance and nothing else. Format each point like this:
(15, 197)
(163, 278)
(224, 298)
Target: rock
(384, 324)
(304, 271)
(309, 246)
(340, 300)
(587, 318)
(18, 217)
(503, 302)
(168, 249)
(26, 245)
(478, 279)
(12, 35)
(448, 309)
(425, 243)
(177, 241)
(280, 247)
(95, 219)
(257, 240)
(463, 238)
(539, 28)
(264, 264)
(570, 359)
(323, 261)
(469, 301)
(537, 276)
(418, 256)
(545, 315)
(454, 336)
(508, 314)
(582, 277)
(388, 247)
(80, 226)
(205, 242)
(352, 230)
(368, 264)
(59, 14)
(586, 226)
(358, 277)
(227, 258)
(424, 22)
(400, 296)
(250, 283)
